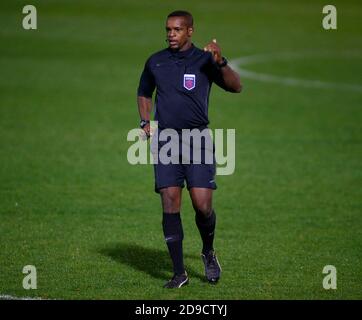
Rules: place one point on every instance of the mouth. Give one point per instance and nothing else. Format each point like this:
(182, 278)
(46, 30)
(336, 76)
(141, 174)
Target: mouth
(172, 42)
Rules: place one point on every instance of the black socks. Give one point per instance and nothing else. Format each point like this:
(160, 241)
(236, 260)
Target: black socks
(172, 229)
(206, 227)
(173, 232)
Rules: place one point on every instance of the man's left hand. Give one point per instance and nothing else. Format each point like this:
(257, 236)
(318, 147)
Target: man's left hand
(215, 50)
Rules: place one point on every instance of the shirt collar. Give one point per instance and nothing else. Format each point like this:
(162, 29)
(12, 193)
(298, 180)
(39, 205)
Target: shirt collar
(182, 54)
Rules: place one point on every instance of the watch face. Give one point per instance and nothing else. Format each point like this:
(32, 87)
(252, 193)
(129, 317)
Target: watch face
(223, 63)
(143, 123)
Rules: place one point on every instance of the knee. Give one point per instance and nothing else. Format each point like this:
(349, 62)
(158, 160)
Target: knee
(203, 210)
(169, 197)
(170, 201)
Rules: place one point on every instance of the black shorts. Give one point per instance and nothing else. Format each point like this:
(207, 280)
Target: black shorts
(174, 175)
(196, 171)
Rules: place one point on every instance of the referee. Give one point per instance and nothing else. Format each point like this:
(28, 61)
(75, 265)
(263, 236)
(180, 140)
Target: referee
(182, 75)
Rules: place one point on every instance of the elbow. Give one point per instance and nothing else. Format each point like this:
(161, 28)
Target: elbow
(237, 88)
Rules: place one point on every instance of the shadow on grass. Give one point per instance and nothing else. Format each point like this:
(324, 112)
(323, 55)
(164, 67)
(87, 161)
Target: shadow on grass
(155, 262)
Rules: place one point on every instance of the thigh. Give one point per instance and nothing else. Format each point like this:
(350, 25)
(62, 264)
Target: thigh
(202, 200)
(200, 176)
(168, 175)
(171, 199)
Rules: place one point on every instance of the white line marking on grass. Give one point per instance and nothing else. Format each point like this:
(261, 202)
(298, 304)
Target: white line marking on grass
(9, 297)
(239, 63)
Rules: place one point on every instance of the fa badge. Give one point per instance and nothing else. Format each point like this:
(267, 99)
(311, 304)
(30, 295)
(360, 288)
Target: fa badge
(189, 81)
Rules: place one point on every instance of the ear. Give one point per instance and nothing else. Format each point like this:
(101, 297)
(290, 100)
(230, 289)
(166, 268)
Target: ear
(190, 30)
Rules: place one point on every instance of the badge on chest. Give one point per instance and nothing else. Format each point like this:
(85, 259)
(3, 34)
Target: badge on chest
(189, 81)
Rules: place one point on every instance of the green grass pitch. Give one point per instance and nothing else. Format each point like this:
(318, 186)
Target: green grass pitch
(72, 206)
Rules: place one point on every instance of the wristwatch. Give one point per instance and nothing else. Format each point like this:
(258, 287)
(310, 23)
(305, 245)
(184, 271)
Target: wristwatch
(223, 63)
(143, 123)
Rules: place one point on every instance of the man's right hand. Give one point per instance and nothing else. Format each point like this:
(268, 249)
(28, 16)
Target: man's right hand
(147, 130)
(144, 108)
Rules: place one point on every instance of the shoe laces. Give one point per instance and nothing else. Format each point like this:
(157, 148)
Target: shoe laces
(175, 276)
(211, 259)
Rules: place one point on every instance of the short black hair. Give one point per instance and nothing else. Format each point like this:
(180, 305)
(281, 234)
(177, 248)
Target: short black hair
(182, 13)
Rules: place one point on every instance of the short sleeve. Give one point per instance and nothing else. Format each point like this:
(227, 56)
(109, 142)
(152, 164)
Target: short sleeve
(215, 74)
(147, 82)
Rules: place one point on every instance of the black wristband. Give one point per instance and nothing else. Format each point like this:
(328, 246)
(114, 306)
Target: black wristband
(143, 123)
(223, 63)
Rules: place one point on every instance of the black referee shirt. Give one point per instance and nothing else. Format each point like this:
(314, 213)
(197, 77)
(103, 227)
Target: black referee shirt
(183, 81)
